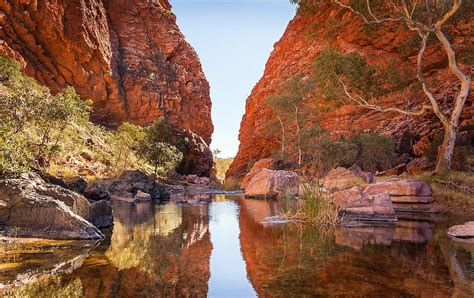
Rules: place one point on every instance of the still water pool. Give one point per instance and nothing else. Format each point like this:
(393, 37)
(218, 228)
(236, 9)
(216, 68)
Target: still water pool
(229, 246)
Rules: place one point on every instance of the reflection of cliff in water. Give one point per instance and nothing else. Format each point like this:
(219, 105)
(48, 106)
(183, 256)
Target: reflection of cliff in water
(156, 250)
(402, 260)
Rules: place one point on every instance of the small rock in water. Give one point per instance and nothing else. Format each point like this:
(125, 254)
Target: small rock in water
(142, 196)
(465, 231)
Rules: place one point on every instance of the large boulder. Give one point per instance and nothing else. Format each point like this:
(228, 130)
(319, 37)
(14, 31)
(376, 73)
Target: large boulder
(358, 205)
(264, 163)
(420, 165)
(465, 231)
(271, 183)
(30, 207)
(403, 191)
(342, 178)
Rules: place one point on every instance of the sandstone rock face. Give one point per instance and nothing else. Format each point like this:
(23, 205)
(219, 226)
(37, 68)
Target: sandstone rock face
(270, 183)
(31, 208)
(342, 178)
(305, 37)
(128, 56)
(359, 205)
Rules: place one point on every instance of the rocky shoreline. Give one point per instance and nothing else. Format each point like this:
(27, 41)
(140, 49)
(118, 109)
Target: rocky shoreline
(38, 205)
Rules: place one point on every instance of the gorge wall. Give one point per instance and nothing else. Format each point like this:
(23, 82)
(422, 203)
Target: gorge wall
(128, 56)
(311, 32)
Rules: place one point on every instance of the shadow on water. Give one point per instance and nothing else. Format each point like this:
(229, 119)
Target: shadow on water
(229, 246)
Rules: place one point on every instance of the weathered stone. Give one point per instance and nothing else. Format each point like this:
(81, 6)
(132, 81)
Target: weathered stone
(422, 146)
(358, 205)
(412, 199)
(129, 57)
(194, 179)
(97, 193)
(420, 165)
(265, 163)
(405, 142)
(86, 155)
(400, 188)
(31, 208)
(295, 53)
(77, 184)
(271, 183)
(126, 186)
(101, 212)
(419, 208)
(342, 178)
(142, 196)
(462, 231)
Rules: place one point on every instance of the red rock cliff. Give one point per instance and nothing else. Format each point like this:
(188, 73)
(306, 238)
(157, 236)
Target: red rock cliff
(128, 56)
(305, 37)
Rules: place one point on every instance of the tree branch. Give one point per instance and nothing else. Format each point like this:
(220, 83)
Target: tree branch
(424, 84)
(365, 104)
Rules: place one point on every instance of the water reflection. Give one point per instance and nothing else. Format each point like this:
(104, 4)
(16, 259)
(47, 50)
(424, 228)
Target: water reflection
(228, 272)
(225, 247)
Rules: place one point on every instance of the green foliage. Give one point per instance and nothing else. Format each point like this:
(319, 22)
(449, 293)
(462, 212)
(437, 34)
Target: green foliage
(288, 105)
(331, 67)
(317, 206)
(331, 154)
(38, 129)
(372, 152)
(375, 152)
(126, 142)
(163, 156)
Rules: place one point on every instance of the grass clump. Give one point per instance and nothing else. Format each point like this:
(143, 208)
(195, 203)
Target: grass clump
(454, 189)
(317, 207)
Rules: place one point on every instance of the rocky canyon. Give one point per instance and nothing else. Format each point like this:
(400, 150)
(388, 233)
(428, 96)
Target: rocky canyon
(308, 34)
(128, 56)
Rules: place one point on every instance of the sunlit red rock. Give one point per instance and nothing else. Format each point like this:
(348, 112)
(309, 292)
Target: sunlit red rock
(129, 57)
(305, 37)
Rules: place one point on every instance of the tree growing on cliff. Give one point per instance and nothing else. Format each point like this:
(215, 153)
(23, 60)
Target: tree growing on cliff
(288, 107)
(428, 19)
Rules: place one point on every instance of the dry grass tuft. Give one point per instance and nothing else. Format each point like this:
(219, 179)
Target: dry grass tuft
(316, 207)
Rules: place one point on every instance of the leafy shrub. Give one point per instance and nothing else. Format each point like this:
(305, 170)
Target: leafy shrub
(375, 152)
(330, 154)
(37, 129)
(126, 142)
(163, 156)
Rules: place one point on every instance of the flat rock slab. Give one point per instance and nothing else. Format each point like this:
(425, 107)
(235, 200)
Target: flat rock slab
(400, 188)
(465, 231)
(412, 199)
(419, 208)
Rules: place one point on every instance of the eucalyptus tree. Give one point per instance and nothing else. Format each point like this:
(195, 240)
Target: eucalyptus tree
(429, 19)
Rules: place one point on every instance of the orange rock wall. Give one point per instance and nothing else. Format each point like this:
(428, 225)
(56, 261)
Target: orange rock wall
(305, 37)
(128, 56)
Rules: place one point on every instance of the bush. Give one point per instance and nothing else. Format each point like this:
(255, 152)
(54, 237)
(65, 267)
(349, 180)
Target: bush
(375, 152)
(126, 142)
(163, 156)
(331, 154)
